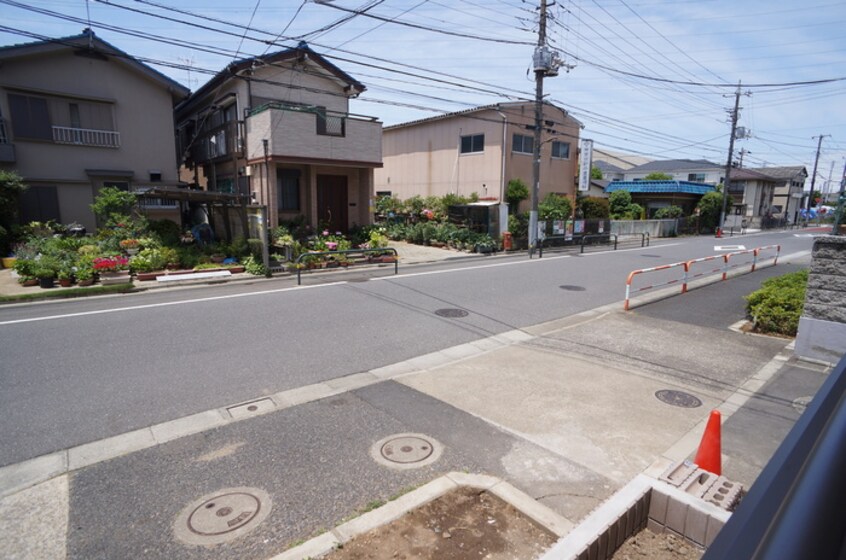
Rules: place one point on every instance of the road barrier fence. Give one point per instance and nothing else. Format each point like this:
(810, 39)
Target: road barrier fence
(694, 268)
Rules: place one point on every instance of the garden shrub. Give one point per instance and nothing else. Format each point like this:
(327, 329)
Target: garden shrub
(777, 306)
(554, 207)
(167, 231)
(594, 207)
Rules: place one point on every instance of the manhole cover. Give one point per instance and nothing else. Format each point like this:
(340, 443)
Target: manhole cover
(678, 398)
(222, 516)
(406, 451)
(571, 288)
(452, 313)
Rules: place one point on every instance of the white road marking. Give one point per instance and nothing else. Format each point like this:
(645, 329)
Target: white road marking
(163, 304)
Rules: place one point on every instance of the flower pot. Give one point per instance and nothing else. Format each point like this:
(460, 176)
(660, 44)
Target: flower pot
(8, 262)
(236, 269)
(65, 282)
(29, 283)
(87, 282)
(47, 282)
(112, 278)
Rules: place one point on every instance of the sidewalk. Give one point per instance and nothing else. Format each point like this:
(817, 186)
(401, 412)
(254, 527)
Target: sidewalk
(566, 412)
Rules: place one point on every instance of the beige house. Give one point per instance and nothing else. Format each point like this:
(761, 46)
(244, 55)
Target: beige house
(277, 129)
(479, 151)
(76, 115)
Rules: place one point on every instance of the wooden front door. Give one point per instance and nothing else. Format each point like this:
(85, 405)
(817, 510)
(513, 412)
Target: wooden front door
(332, 202)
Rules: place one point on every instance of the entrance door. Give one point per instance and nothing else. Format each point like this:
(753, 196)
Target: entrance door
(332, 202)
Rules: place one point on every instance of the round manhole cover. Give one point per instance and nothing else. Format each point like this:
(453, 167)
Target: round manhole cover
(452, 313)
(571, 288)
(406, 451)
(678, 398)
(222, 516)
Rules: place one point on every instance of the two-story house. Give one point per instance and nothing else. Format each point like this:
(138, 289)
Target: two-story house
(788, 189)
(479, 151)
(78, 114)
(694, 171)
(277, 128)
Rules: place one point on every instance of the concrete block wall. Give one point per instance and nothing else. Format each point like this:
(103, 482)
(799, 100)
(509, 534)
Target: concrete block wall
(822, 327)
(662, 507)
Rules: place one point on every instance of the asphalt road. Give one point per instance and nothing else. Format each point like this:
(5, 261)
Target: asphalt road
(79, 371)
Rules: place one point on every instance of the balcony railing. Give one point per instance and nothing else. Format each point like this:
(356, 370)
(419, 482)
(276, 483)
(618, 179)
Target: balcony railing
(227, 140)
(86, 137)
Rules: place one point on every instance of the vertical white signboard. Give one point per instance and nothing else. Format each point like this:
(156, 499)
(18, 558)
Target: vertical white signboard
(585, 162)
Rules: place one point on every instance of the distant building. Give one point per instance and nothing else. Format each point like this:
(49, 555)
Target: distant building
(479, 151)
(693, 171)
(654, 195)
(77, 115)
(788, 189)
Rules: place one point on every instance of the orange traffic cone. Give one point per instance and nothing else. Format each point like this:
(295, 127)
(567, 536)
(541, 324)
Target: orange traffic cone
(708, 456)
(719, 233)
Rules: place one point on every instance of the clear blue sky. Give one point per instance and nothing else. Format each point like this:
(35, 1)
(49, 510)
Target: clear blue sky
(627, 56)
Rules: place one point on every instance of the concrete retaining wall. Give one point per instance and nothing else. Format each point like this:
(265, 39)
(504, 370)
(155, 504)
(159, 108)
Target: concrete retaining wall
(822, 327)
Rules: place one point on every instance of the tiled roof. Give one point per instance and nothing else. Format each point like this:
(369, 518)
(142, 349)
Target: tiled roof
(783, 173)
(606, 167)
(89, 41)
(683, 187)
(674, 165)
(491, 107)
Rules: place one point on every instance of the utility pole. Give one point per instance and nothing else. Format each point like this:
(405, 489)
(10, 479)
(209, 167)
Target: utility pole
(540, 72)
(814, 174)
(743, 152)
(734, 116)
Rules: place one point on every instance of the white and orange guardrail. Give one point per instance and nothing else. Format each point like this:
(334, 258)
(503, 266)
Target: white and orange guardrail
(687, 266)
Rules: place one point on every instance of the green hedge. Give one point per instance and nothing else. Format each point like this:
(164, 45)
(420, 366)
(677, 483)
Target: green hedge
(777, 306)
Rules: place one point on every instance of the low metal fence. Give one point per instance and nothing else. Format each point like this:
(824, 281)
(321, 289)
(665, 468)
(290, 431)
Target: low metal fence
(362, 254)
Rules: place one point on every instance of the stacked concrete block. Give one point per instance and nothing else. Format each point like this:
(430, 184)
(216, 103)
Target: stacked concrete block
(822, 327)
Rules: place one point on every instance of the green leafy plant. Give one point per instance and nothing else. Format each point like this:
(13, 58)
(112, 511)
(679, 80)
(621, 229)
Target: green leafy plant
(777, 306)
(594, 207)
(554, 207)
(515, 193)
(669, 212)
(254, 266)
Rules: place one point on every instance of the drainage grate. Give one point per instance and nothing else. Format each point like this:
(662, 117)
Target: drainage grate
(222, 516)
(452, 313)
(651, 256)
(678, 398)
(572, 288)
(406, 451)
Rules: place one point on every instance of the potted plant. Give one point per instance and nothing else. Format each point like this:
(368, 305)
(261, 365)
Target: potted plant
(46, 276)
(131, 246)
(65, 276)
(112, 269)
(84, 275)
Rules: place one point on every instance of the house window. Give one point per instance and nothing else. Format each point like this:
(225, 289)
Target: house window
(39, 204)
(330, 125)
(522, 144)
(120, 185)
(560, 150)
(225, 185)
(30, 117)
(473, 144)
(288, 190)
(155, 176)
(696, 177)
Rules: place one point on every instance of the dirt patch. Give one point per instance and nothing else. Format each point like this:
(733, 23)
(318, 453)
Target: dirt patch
(657, 546)
(461, 525)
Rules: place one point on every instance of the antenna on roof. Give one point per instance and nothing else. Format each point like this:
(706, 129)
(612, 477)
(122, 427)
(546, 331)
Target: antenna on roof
(88, 29)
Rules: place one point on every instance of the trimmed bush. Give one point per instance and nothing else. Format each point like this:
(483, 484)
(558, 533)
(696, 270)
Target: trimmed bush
(777, 306)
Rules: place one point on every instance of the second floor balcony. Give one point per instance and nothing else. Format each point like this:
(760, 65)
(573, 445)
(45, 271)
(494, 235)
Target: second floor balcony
(314, 134)
(86, 137)
(224, 141)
